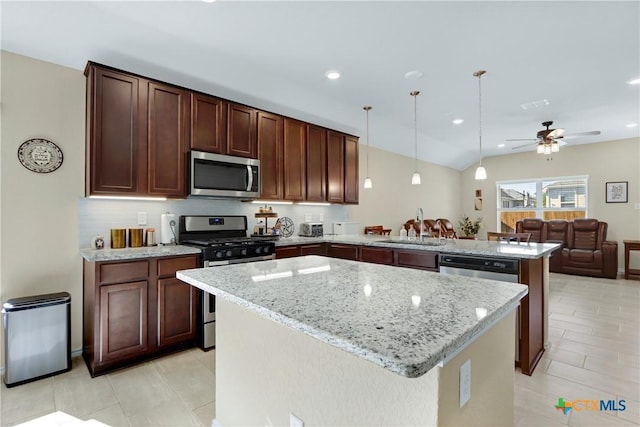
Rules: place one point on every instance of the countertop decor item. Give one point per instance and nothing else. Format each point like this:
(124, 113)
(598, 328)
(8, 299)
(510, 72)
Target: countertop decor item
(40, 155)
(286, 226)
(469, 227)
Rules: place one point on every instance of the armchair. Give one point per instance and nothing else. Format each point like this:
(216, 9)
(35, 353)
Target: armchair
(588, 252)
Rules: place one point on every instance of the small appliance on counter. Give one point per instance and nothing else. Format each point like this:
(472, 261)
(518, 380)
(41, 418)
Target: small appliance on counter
(343, 227)
(311, 229)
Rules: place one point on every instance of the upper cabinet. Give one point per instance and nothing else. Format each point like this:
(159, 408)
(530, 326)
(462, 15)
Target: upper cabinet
(241, 131)
(270, 147)
(137, 136)
(316, 164)
(140, 131)
(208, 124)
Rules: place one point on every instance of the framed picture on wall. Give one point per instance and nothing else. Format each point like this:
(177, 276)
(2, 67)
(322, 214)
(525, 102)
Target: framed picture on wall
(617, 192)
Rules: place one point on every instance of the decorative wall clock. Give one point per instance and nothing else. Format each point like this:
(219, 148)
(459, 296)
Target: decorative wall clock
(40, 155)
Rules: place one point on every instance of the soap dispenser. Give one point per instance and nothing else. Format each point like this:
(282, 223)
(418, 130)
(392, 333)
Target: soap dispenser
(403, 233)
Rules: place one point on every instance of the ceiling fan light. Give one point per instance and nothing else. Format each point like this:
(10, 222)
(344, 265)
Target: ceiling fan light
(481, 173)
(540, 148)
(547, 149)
(415, 179)
(367, 183)
(555, 147)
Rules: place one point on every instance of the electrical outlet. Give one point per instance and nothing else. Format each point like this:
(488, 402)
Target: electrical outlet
(465, 382)
(307, 217)
(142, 218)
(637, 205)
(320, 217)
(295, 421)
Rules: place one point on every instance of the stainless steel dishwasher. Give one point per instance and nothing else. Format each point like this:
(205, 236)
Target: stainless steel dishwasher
(37, 336)
(503, 269)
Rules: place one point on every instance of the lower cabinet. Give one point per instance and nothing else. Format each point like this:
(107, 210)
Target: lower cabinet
(417, 259)
(136, 310)
(339, 250)
(376, 255)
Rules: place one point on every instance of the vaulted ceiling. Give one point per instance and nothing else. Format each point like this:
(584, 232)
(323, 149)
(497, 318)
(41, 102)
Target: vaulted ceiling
(569, 62)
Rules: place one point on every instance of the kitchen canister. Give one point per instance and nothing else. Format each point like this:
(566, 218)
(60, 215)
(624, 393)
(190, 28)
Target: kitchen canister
(135, 237)
(118, 238)
(150, 237)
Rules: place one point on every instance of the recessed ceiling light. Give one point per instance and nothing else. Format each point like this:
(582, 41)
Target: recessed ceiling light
(632, 125)
(634, 82)
(457, 121)
(413, 75)
(500, 145)
(332, 75)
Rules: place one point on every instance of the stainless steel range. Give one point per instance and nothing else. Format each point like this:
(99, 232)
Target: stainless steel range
(223, 240)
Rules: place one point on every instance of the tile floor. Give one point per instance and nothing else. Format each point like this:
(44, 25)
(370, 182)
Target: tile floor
(595, 354)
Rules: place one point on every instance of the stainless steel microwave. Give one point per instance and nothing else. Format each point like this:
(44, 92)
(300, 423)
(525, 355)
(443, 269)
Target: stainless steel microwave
(217, 175)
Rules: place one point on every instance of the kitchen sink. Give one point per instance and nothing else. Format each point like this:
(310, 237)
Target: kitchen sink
(417, 242)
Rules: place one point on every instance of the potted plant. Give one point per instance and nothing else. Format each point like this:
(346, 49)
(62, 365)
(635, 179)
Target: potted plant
(470, 228)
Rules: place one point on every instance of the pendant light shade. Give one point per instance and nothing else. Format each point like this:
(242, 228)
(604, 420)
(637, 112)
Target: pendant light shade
(367, 181)
(481, 173)
(415, 179)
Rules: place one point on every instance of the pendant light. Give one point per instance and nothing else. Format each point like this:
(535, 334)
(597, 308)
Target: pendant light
(367, 181)
(415, 179)
(481, 173)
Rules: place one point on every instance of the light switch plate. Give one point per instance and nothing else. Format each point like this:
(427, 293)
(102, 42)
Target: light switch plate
(142, 218)
(307, 217)
(295, 421)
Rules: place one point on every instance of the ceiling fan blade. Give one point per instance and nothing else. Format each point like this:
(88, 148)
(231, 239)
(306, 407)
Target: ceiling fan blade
(556, 133)
(522, 139)
(524, 145)
(577, 134)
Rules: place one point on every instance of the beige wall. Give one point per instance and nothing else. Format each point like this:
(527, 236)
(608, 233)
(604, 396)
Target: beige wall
(39, 211)
(393, 200)
(602, 162)
(269, 370)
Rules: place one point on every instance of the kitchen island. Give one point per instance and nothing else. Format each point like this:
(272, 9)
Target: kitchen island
(339, 342)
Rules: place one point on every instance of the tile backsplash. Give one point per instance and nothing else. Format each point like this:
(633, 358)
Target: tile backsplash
(98, 216)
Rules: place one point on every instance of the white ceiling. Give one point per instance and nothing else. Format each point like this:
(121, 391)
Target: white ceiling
(578, 55)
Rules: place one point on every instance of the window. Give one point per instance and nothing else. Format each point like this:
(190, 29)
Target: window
(547, 198)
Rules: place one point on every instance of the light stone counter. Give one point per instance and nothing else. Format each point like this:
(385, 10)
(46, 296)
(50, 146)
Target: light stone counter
(451, 246)
(406, 321)
(94, 255)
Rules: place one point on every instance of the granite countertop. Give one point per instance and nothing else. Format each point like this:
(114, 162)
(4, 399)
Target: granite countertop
(94, 255)
(451, 246)
(404, 320)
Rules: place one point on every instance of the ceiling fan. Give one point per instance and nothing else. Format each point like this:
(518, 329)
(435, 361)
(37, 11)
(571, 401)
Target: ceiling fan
(547, 139)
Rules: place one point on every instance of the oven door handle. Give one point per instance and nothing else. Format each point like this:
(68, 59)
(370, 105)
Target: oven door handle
(238, 261)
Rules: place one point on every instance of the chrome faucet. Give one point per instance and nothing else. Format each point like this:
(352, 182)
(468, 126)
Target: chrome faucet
(439, 227)
(420, 219)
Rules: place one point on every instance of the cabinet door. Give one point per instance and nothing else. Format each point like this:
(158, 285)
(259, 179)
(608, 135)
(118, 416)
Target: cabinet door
(351, 169)
(316, 164)
(123, 321)
(208, 123)
(295, 170)
(417, 259)
(177, 304)
(270, 147)
(241, 131)
(319, 249)
(117, 140)
(335, 167)
(167, 124)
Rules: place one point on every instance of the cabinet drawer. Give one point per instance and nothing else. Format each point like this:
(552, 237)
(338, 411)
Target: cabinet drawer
(343, 251)
(287, 252)
(167, 267)
(417, 259)
(376, 255)
(124, 271)
(312, 249)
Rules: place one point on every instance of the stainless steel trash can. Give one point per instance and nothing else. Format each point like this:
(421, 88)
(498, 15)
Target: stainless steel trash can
(37, 337)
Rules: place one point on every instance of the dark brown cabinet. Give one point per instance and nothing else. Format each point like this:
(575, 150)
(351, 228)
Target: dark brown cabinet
(137, 135)
(208, 124)
(135, 310)
(270, 154)
(335, 167)
(295, 168)
(417, 259)
(316, 164)
(319, 249)
(287, 251)
(376, 255)
(351, 167)
(338, 250)
(241, 131)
